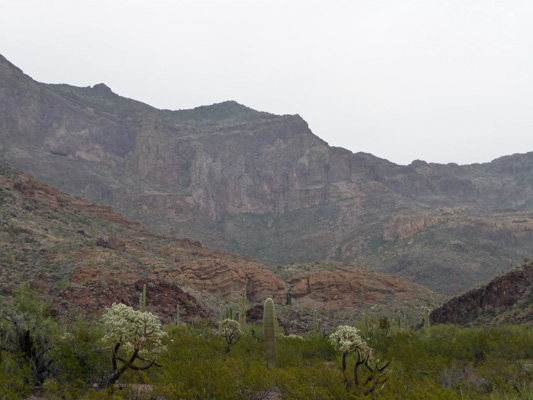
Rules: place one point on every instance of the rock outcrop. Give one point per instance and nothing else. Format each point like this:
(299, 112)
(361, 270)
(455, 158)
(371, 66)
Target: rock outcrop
(333, 290)
(226, 279)
(162, 298)
(506, 299)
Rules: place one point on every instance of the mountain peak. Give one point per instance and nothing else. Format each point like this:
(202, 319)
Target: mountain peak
(220, 112)
(102, 87)
(6, 64)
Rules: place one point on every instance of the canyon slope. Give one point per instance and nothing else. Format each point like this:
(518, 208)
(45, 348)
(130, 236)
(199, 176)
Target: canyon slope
(507, 299)
(265, 186)
(84, 257)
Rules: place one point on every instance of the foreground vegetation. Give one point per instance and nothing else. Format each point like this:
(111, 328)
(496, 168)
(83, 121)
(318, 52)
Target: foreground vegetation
(59, 357)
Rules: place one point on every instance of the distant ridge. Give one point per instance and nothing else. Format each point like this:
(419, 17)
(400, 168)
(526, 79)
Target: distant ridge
(263, 185)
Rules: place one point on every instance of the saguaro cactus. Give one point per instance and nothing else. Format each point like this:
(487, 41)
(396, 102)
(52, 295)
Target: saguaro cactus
(142, 299)
(269, 326)
(426, 322)
(316, 323)
(242, 310)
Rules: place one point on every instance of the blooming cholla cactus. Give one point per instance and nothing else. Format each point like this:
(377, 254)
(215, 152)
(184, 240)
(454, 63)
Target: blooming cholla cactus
(347, 340)
(231, 331)
(133, 334)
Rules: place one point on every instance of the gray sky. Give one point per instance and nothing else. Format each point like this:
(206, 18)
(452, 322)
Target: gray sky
(437, 80)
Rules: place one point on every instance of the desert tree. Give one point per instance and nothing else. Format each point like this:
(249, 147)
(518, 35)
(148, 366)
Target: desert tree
(27, 332)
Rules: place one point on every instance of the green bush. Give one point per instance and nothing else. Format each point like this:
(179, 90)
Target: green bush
(450, 363)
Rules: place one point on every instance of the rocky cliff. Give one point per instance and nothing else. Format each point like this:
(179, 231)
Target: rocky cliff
(506, 299)
(265, 186)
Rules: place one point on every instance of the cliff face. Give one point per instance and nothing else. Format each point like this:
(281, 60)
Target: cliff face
(263, 185)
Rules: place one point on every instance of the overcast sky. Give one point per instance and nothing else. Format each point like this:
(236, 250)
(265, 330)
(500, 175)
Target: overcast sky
(437, 80)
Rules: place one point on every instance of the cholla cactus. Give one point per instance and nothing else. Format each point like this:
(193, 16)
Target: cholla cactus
(134, 335)
(231, 331)
(347, 340)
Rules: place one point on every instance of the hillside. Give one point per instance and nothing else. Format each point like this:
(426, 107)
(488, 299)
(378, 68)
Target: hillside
(88, 256)
(265, 186)
(507, 299)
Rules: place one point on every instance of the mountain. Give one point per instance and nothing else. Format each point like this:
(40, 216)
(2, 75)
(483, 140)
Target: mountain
(86, 256)
(265, 186)
(507, 299)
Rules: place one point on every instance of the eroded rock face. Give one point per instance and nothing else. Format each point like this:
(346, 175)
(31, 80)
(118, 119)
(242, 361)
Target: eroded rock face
(227, 279)
(498, 296)
(331, 290)
(92, 296)
(402, 226)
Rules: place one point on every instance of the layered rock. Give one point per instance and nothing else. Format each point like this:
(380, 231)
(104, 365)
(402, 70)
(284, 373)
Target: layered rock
(226, 279)
(333, 290)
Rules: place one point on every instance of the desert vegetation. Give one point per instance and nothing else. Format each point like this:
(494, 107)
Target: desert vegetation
(54, 356)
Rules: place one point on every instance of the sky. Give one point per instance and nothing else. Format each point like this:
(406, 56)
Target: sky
(435, 80)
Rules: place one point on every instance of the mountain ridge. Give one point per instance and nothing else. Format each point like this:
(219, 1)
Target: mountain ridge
(264, 185)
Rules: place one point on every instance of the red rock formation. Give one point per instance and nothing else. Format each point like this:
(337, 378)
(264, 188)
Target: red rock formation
(500, 294)
(227, 279)
(330, 290)
(92, 296)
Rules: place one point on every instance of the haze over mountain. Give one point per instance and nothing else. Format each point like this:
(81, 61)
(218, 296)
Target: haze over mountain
(265, 186)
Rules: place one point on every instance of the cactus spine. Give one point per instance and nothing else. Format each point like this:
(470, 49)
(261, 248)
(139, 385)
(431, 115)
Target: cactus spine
(269, 326)
(242, 310)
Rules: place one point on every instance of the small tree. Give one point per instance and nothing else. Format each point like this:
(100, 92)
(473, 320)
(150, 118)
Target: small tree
(28, 333)
(347, 340)
(133, 335)
(231, 331)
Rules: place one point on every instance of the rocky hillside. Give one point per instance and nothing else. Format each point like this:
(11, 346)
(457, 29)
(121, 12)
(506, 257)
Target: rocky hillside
(265, 186)
(508, 299)
(88, 256)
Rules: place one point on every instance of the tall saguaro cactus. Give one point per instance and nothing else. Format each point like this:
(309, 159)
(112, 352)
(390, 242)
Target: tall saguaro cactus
(426, 322)
(269, 326)
(142, 299)
(242, 310)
